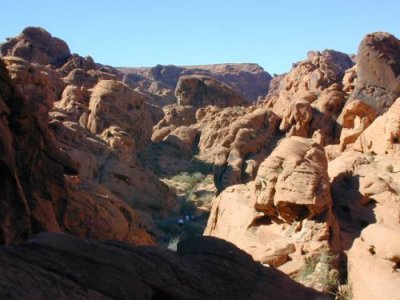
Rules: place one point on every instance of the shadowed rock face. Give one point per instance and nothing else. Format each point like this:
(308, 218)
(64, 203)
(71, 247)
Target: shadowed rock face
(378, 70)
(36, 45)
(35, 195)
(66, 267)
(100, 122)
(31, 166)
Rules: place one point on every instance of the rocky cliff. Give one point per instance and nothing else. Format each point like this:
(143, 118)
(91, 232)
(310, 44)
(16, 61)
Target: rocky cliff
(304, 180)
(250, 80)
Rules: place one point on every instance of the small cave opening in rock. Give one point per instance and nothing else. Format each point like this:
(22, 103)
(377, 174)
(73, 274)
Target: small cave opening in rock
(397, 266)
(364, 223)
(261, 220)
(372, 250)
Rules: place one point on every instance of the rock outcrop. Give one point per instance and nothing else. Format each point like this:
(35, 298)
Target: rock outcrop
(383, 135)
(99, 121)
(285, 212)
(374, 261)
(67, 267)
(248, 139)
(378, 70)
(36, 196)
(309, 170)
(114, 104)
(250, 80)
(309, 98)
(201, 91)
(36, 45)
(366, 203)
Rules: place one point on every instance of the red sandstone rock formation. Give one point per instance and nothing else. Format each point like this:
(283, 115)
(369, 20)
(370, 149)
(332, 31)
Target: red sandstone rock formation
(203, 268)
(378, 70)
(248, 79)
(36, 45)
(201, 91)
(283, 198)
(35, 196)
(286, 212)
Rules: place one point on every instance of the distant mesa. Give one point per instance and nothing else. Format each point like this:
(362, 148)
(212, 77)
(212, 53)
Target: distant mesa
(251, 80)
(198, 90)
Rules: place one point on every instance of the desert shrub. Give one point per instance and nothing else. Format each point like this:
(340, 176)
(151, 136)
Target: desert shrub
(344, 292)
(199, 166)
(319, 272)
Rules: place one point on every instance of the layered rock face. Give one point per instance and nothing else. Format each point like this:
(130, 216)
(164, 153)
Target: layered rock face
(36, 196)
(113, 103)
(310, 97)
(300, 204)
(99, 121)
(285, 212)
(64, 267)
(250, 80)
(306, 175)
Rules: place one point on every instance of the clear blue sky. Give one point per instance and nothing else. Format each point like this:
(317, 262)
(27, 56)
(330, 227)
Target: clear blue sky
(273, 34)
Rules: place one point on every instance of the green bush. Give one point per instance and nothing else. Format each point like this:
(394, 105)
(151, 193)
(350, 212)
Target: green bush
(326, 275)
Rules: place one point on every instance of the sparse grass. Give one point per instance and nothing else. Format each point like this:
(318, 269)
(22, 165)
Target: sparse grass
(319, 271)
(309, 267)
(344, 292)
(191, 179)
(192, 186)
(199, 166)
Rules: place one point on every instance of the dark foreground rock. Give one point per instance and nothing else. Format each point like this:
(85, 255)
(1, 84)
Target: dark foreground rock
(59, 266)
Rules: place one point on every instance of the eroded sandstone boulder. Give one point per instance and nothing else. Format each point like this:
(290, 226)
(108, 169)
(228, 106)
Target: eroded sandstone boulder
(248, 139)
(382, 136)
(174, 117)
(310, 97)
(200, 91)
(378, 69)
(36, 45)
(374, 261)
(285, 212)
(113, 103)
